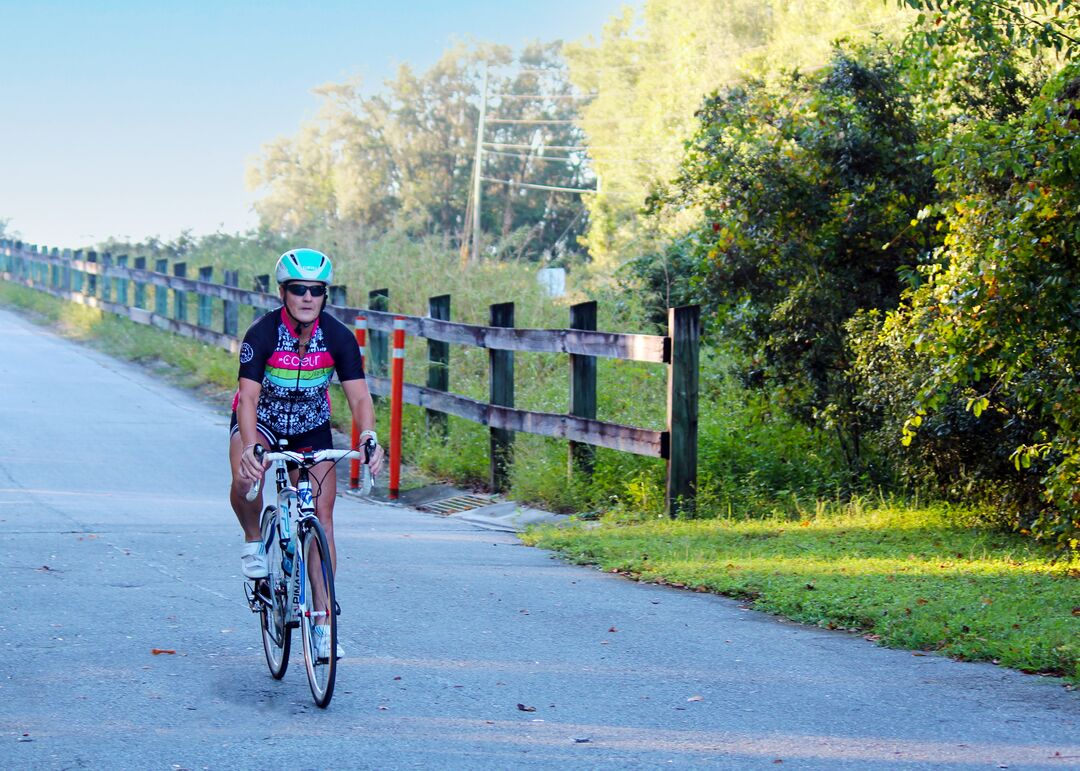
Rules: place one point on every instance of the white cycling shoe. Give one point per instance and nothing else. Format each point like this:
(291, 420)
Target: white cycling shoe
(322, 644)
(253, 559)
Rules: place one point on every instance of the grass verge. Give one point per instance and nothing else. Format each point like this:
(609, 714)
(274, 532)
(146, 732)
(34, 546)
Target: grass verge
(917, 579)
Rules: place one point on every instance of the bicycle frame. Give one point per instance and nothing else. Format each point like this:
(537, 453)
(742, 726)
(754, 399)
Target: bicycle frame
(295, 504)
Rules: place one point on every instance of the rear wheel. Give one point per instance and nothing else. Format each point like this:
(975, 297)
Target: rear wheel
(317, 616)
(276, 633)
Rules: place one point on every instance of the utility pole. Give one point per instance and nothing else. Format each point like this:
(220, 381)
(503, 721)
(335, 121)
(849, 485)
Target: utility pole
(476, 207)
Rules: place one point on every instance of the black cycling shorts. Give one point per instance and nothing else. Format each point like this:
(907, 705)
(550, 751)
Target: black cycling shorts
(318, 438)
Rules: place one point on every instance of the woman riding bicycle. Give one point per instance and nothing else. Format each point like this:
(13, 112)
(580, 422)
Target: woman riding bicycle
(286, 361)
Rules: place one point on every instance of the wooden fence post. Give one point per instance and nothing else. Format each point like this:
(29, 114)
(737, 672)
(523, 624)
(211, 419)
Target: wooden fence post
(378, 342)
(438, 375)
(122, 283)
(161, 294)
(140, 286)
(262, 284)
(501, 392)
(54, 269)
(206, 308)
(65, 272)
(106, 280)
(582, 457)
(231, 311)
(78, 278)
(180, 296)
(91, 278)
(684, 329)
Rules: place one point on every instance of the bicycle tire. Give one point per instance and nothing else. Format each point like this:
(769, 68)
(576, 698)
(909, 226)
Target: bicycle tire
(276, 633)
(319, 603)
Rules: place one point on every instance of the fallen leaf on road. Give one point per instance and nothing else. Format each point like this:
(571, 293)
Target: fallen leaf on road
(582, 740)
(613, 629)
(523, 708)
(159, 651)
(696, 698)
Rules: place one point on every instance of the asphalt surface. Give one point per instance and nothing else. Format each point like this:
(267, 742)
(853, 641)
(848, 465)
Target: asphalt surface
(464, 648)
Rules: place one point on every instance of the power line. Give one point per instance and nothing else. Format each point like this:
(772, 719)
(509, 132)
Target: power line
(531, 186)
(533, 121)
(527, 156)
(542, 96)
(511, 146)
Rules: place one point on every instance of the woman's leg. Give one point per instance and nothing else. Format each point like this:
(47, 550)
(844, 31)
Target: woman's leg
(247, 512)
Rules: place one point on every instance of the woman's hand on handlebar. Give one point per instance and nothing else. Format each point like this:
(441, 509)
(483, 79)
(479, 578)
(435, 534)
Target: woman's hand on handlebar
(375, 461)
(252, 465)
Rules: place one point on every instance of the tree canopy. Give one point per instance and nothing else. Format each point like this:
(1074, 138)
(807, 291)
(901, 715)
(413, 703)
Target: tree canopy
(402, 158)
(650, 73)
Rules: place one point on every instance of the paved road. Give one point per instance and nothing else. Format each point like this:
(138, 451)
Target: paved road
(117, 539)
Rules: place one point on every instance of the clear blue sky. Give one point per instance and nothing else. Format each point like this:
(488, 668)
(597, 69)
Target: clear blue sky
(134, 119)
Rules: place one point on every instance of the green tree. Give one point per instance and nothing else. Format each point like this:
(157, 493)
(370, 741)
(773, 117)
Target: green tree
(999, 312)
(800, 186)
(650, 72)
(402, 159)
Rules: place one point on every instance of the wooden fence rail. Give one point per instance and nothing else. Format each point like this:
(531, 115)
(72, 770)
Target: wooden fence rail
(102, 281)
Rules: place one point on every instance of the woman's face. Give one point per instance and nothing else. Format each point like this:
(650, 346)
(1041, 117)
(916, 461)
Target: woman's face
(304, 308)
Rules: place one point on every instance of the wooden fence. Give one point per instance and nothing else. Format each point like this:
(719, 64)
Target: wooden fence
(114, 285)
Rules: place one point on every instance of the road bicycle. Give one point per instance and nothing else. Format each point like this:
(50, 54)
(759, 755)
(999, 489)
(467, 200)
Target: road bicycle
(298, 591)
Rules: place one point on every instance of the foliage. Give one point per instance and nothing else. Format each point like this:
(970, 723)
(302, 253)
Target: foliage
(650, 71)
(998, 310)
(402, 159)
(985, 24)
(907, 577)
(801, 185)
(954, 454)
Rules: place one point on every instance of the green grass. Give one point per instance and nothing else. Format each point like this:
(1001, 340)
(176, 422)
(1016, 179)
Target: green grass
(920, 579)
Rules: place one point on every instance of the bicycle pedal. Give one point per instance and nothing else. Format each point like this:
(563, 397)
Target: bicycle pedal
(258, 595)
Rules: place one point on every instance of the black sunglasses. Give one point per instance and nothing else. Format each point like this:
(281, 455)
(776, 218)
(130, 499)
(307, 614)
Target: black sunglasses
(299, 290)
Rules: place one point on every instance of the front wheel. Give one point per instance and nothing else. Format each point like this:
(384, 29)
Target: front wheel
(317, 616)
(276, 632)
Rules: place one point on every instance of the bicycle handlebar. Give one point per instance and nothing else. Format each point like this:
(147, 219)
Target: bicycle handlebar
(305, 460)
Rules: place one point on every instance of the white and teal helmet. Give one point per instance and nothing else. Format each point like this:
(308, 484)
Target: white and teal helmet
(304, 265)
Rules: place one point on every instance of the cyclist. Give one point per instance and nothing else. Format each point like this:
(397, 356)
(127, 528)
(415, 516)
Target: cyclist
(286, 361)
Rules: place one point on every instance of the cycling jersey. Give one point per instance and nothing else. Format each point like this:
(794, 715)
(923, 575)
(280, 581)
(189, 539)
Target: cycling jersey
(295, 389)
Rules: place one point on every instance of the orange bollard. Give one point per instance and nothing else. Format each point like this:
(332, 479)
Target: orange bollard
(397, 384)
(354, 464)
